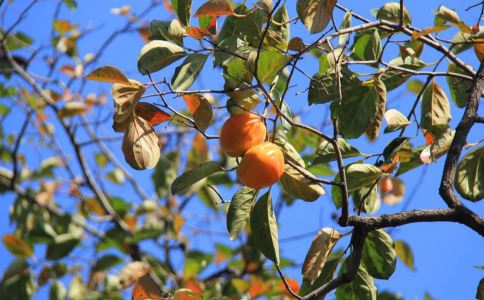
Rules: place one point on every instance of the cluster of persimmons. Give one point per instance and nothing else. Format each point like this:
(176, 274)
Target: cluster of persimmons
(262, 163)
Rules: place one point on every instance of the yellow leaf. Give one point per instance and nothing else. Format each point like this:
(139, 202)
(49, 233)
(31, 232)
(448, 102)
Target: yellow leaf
(108, 74)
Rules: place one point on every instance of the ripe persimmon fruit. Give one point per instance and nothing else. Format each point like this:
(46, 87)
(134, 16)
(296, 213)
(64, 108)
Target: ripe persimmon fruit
(242, 132)
(261, 166)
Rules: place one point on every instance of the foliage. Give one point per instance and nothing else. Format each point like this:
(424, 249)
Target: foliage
(82, 198)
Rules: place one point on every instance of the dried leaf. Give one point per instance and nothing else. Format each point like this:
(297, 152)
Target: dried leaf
(132, 272)
(141, 146)
(146, 288)
(125, 99)
(109, 74)
(17, 246)
(214, 8)
(151, 113)
(315, 14)
(201, 110)
(320, 248)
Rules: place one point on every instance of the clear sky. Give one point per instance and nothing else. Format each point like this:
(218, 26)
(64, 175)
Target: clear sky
(445, 253)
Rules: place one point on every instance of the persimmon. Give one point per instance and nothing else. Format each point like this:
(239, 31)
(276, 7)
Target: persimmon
(242, 132)
(261, 166)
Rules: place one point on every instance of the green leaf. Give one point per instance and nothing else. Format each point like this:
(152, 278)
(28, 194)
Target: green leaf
(469, 180)
(368, 46)
(106, 262)
(460, 42)
(269, 64)
(395, 120)
(279, 31)
(393, 78)
(290, 153)
(239, 210)
(404, 253)
(326, 153)
(17, 246)
(264, 228)
(298, 186)
(459, 87)
(186, 73)
(195, 262)
(324, 88)
(444, 15)
(361, 175)
(108, 74)
(391, 12)
(62, 246)
(413, 162)
(183, 10)
(379, 254)
(362, 287)
(435, 113)
(165, 173)
(315, 14)
(400, 146)
(167, 31)
(156, 55)
(201, 171)
(57, 291)
(17, 282)
(201, 110)
(346, 23)
(357, 109)
(369, 196)
(237, 29)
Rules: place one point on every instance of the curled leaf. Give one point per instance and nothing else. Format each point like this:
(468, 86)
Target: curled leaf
(108, 74)
(141, 146)
(125, 99)
(320, 248)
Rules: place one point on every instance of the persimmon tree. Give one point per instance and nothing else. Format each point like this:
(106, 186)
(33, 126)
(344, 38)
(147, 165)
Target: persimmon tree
(79, 192)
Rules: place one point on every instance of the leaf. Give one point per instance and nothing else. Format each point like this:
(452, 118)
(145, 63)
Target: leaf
(404, 253)
(469, 180)
(146, 288)
(278, 34)
(326, 275)
(141, 145)
(480, 289)
(196, 174)
(57, 291)
(435, 113)
(290, 153)
(106, 262)
(63, 245)
(263, 226)
(201, 110)
(108, 74)
(429, 30)
(167, 31)
(318, 252)
(214, 8)
(362, 287)
(315, 14)
(459, 88)
(77, 289)
(269, 64)
(393, 78)
(346, 23)
(379, 254)
(156, 55)
(116, 176)
(132, 272)
(373, 130)
(152, 114)
(391, 12)
(298, 186)
(183, 10)
(165, 173)
(125, 99)
(361, 175)
(367, 46)
(357, 109)
(17, 246)
(239, 210)
(186, 73)
(395, 120)
(195, 262)
(370, 198)
(71, 109)
(396, 194)
(444, 14)
(324, 87)
(326, 153)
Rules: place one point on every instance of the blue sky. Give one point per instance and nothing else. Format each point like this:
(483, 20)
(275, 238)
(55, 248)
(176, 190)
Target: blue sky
(445, 253)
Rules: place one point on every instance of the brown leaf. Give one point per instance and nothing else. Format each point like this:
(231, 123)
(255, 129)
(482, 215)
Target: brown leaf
(296, 44)
(141, 146)
(396, 194)
(320, 248)
(132, 272)
(71, 109)
(373, 129)
(125, 99)
(258, 287)
(47, 190)
(108, 74)
(215, 8)
(201, 110)
(428, 30)
(146, 288)
(197, 33)
(17, 246)
(145, 33)
(151, 113)
(68, 70)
